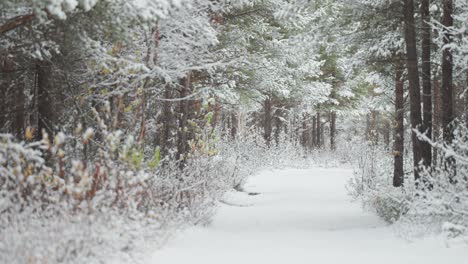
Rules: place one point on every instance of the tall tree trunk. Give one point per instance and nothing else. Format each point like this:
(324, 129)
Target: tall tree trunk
(142, 132)
(465, 101)
(314, 131)
(318, 131)
(182, 144)
(322, 135)
(447, 73)
(437, 122)
(333, 131)
(447, 80)
(374, 133)
(234, 125)
(398, 135)
(278, 126)
(5, 82)
(44, 101)
(167, 119)
(19, 113)
(368, 127)
(216, 114)
(3, 101)
(305, 134)
(413, 78)
(267, 126)
(386, 133)
(426, 81)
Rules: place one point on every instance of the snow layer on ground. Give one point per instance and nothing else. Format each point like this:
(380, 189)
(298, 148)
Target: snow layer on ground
(301, 216)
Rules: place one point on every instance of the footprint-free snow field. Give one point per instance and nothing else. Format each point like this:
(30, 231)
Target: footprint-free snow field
(300, 216)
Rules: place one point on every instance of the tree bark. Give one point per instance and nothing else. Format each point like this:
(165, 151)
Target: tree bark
(142, 132)
(5, 81)
(314, 131)
(333, 131)
(413, 78)
(44, 101)
(167, 117)
(278, 126)
(2, 108)
(447, 81)
(398, 135)
(426, 82)
(267, 126)
(319, 131)
(374, 133)
(322, 136)
(447, 74)
(182, 144)
(387, 133)
(234, 125)
(465, 101)
(304, 135)
(437, 122)
(368, 127)
(19, 113)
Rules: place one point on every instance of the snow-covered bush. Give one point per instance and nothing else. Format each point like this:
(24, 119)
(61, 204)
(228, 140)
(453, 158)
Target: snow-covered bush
(22, 173)
(444, 206)
(56, 207)
(249, 154)
(372, 184)
(416, 210)
(59, 204)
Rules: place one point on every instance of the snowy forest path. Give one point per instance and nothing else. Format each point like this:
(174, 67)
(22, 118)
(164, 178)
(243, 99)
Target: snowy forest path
(300, 216)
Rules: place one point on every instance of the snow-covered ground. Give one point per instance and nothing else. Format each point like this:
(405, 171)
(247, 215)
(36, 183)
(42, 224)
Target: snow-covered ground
(301, 216)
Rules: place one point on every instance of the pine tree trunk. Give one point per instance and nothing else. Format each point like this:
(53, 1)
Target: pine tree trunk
(44, 101)
(142, 132)
(234, 125)
(437, 122)
(368, 127)
(216, 114)
(322, 135)
(167, 117)
(398, 135)
(304, 131)
(314, 131)
(182, 144)
(465, 101)
(387, 133)
(447, 75)
(3, 102)
(6, 69)
(267, 126)
(447, 82)
(333, 131)
(278, 126)
(374, 133)
(19, 113)
(413, 78)
(426, 82)
(319, 131)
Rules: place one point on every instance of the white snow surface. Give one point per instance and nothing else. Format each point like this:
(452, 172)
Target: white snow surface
(301, 216)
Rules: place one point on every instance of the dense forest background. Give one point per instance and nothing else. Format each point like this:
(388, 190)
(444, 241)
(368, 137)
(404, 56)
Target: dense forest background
(155, 108)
